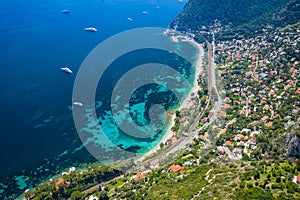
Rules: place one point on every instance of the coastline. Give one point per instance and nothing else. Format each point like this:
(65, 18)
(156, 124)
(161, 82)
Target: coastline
(184, 104)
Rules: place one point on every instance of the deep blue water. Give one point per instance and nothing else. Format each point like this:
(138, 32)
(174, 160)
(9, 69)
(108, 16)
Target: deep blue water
(37, 134)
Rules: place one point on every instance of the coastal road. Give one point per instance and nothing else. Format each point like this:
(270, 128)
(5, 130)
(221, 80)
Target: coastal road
(192, 131)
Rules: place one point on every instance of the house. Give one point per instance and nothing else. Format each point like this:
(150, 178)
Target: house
(221, 150)
(227, 106)
(204, 120)
(141, 175)
(60, 181)
(241, 144)
(222, 113)
(176, 168)
(208, 146)
(266, 107)
(298, 179)
(202, 137)
(239, 137)
(223, 131)
(242, 112)
(231, 122)
(228, 143)
(227, 99)
(270, 124)
(265, 118)
(252, 141)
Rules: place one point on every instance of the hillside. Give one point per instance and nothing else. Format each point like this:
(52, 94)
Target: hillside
(236, 17)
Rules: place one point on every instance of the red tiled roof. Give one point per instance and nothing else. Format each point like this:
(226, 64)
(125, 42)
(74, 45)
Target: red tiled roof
(176, 168)
(265, 118)
(226, 106)
(223, 131)
(253, 140)
(139, 175)
(270, 124)
(60, 182)
(228, 143)
(240, 136)
(208, 146)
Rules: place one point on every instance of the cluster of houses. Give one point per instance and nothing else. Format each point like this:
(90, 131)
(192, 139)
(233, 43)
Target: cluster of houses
(261, 82)
(240, 144)
(141, 175)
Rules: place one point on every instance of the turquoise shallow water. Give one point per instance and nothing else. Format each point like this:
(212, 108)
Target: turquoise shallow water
(38, 137)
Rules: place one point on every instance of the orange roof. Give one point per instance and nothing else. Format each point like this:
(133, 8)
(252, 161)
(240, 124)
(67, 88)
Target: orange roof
(270, 124)
(240, 136)
(263, 101)
(202, 137)
(228, 143)
(223, 131)
(176, 168)
(298, 178)
(142, 175)
(208, 145)
(222, 113)
(265, 118)
(226, 106)
(231, 121)
(242, 112)
(248, 74)
(292, 70)
(59, 182)
(204, 120)
(192, 142)
(252, 140)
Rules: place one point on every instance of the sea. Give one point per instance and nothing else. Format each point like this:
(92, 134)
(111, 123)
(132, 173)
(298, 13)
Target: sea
(38, 138)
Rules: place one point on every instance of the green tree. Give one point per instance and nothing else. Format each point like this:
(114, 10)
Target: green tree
(76, 195)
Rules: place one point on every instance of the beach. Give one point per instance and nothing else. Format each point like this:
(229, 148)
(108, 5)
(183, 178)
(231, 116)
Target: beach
(184, 104)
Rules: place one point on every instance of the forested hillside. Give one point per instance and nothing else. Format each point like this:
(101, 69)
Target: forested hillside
(237, 17)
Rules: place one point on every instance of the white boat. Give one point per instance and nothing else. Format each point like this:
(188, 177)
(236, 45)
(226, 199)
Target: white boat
(67, 70)
(77, 103)
(91, 29)
(129, 19)
(144, 12)
(65, 11)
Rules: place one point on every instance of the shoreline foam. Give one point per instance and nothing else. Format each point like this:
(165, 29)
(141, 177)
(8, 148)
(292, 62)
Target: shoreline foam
(198, 70)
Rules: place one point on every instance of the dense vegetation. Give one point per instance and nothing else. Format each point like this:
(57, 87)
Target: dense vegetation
(73, 183)
(238, 17)
(212, 179)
